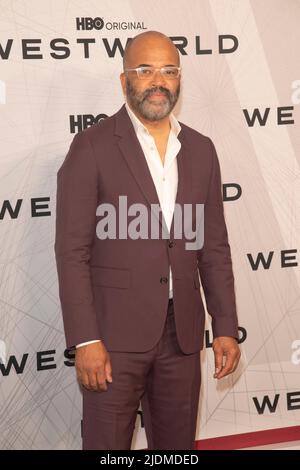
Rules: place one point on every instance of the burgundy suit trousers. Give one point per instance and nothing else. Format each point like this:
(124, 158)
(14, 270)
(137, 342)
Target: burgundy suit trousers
(167, 384)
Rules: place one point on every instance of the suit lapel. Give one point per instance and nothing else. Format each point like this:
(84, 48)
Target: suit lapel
(133, 153)
(184, 188)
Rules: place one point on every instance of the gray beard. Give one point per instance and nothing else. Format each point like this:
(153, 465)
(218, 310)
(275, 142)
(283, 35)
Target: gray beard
(151, 112)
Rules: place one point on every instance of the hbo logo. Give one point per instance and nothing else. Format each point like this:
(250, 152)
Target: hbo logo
(89, 23)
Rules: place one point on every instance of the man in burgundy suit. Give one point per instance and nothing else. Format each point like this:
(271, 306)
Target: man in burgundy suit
(132, 305)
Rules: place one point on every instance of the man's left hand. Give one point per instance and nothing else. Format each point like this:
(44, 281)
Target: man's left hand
(225, 346)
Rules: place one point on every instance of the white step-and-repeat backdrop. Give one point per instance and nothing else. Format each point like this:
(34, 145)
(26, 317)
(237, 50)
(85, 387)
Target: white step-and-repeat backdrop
(60, 62)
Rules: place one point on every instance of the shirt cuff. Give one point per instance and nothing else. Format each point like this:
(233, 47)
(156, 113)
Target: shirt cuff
(88, 342)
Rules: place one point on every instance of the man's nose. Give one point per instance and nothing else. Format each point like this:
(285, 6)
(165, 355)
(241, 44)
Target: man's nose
(157, 78)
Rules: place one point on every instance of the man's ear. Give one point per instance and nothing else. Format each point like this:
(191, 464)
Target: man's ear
(123, 82)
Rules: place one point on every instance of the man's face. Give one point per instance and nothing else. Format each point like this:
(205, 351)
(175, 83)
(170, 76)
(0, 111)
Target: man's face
(154, 98)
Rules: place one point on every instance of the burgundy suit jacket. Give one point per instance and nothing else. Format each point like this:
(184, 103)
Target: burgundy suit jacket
(117, 289)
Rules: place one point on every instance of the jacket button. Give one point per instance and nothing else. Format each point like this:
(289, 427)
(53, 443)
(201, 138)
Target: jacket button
(171, 244)
(163, 280)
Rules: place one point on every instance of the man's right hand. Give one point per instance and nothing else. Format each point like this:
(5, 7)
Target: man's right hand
(93, 366)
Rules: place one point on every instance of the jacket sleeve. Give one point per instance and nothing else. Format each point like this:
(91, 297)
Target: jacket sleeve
(214, 259)
(76, 202)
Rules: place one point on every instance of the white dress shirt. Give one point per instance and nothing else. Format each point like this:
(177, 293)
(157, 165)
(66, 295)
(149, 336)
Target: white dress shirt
(164, 175)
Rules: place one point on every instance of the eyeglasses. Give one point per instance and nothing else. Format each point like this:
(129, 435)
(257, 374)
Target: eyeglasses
(145, 73)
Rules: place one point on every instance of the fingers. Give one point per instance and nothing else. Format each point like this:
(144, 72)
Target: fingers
(101, 381)
(228, 367)
(93, 367)
(236, 362)
(231, 363)
(218, 362)
(225, 347)
(108, 370)
(94, 380)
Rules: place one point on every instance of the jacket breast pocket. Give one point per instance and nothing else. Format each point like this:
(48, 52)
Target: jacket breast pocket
(111, 277)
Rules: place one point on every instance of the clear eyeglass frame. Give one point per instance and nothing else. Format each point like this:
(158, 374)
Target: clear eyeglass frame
(145, 73)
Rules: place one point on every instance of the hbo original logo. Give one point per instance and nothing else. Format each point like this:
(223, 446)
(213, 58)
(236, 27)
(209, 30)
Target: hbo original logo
(89, 23)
